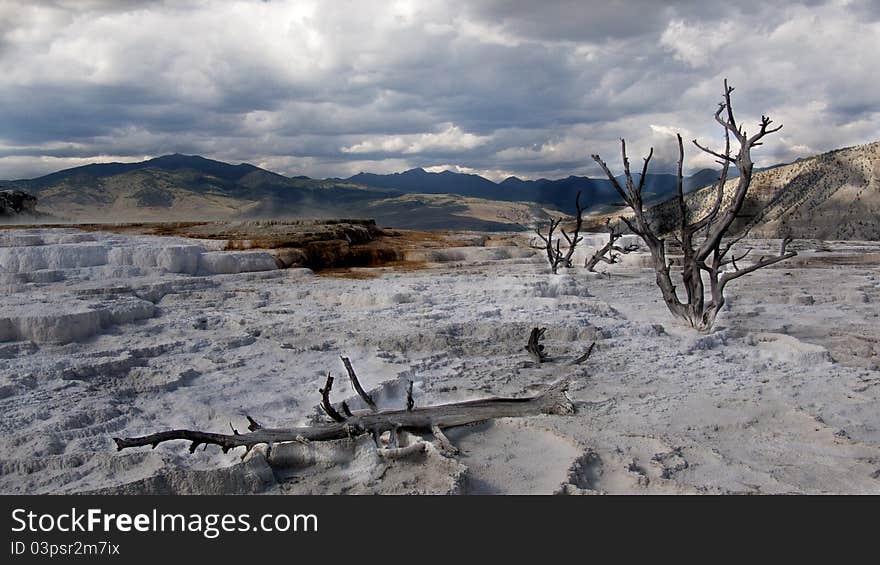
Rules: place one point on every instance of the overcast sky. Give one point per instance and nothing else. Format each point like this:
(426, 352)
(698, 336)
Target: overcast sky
(498, 87)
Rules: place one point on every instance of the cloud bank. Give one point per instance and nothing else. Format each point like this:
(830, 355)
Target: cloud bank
(494, 87)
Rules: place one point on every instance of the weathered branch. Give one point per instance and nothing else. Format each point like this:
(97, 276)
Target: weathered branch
(253, 425)
(721, 156)
(585, 356)
(719, 188)
(346, 410)
(534, 346)
(325, 400)
(368, 400)
(759, 264)
(554, 255)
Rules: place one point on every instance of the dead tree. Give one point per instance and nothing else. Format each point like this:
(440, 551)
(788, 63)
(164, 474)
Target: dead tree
(551, 244)
(609, 253)
(712, 254)
(419, 419)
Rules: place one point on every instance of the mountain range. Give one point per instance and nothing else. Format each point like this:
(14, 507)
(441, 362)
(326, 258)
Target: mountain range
(177, 187)
(829, 195)
(559, 194)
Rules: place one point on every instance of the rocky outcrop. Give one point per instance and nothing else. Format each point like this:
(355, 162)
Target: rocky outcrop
(15, 203)
(316, 244)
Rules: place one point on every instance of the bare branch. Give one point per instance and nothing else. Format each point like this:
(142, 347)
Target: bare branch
(721, 156)
(760, 264)
(602, 254)
(731, 122)
(719, 190)
(630, 225)
(682, 207)
(346, 410)
(575, 237)
(253, 425)
(644, 171)
(765, 130)
(585, 356)
(630, 188)
(325, 400)
(732, 261)
(613, 180)
(368, 400)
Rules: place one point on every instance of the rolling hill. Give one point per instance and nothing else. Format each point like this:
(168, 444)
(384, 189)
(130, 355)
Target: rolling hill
(834, 195)
(184, 187)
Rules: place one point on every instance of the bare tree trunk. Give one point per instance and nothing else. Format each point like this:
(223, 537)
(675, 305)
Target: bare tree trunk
(575, 236)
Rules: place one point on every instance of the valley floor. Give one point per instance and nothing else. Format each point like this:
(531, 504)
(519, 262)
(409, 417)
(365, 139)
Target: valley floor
(109, 335)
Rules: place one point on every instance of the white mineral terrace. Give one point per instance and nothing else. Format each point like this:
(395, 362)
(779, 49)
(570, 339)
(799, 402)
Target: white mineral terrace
(105, 335)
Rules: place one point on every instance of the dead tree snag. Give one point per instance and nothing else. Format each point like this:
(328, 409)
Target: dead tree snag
(609, 253)
(551, 243)
(534, 346)
(712, 254)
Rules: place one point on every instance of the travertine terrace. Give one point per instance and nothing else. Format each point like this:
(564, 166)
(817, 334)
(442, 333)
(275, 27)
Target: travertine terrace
(116, 332)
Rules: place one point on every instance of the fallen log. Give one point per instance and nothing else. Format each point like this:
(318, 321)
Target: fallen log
(423, 419)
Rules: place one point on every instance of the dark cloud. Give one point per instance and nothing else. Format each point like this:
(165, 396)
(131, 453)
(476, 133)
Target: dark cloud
(499, 87)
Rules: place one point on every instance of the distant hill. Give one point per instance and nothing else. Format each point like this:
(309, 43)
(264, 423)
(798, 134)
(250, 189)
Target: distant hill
(559, 194)
(177, 186)
(835, 195)
(422, 182)
(175, 162)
